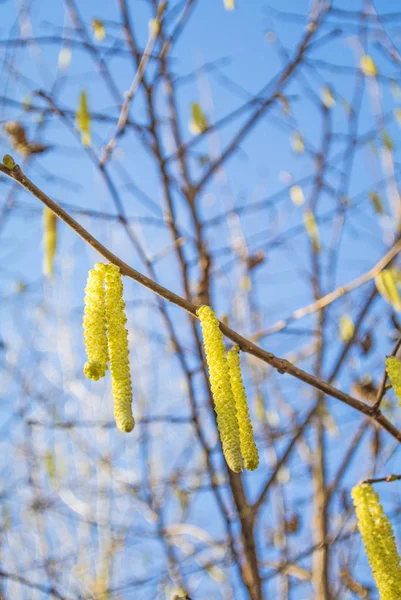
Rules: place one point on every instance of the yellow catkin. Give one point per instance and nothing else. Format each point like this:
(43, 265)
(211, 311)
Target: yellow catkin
(378, 538)
(393, 368)
(118, 350)
(94, 324)
(83, 119)
(249, 450)
(49, 240)
(221, 388)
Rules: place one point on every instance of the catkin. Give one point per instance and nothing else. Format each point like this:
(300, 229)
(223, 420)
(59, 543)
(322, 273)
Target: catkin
(118, 350)
(221, 388)
(49, 240)
(393, 368)
(83, 119)
(378, 538)
(249, 450)
(94, 324)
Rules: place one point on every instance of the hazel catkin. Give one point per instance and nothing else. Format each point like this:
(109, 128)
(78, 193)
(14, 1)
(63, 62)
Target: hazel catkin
(249, 450)
(221, 388)
(118, 349)
(393, 368)
(94, 324)
(378, 538)
(49, 240)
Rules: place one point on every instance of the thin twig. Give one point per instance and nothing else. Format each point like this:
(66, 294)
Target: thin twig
(136, 82)
(387, 479)
(280, 364)
(334, 295)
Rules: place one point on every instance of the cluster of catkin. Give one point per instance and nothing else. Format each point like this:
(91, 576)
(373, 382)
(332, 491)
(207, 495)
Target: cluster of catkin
(106, 338)
(229, 396)
(378, 538)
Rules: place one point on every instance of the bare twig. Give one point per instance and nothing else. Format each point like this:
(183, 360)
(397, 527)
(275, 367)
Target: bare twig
(280, 364)
(334, 295)
(136, 82)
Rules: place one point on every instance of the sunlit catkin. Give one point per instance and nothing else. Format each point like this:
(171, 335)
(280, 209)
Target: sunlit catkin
(118, 349)
(94, 324)
(221, 387)
(393, 368)
(49, 240)
(378, 538)
(83, 119)
(249, 450)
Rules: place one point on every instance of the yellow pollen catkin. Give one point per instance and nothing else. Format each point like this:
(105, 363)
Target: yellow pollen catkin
(249, 450)
(393, 368)
(378, 538)
(49, 240)
(94, 324)
(118, 350)
(221, 388)
(83, 119)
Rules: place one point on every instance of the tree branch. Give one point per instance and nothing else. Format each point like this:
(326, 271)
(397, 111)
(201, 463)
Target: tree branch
(281, 365)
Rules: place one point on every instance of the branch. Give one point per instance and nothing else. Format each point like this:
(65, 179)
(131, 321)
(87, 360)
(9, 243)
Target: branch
(262, 494)
(387, 479)
(50, 591)
(136, 82)
(334, 295)
(281, 365)
(282, 81)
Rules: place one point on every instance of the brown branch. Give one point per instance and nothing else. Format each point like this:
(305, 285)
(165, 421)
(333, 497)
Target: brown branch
(387, 479)
(334, 295)
(280, 364)
(262, 494)
(266, 104)
(48, 590)
(136, 82)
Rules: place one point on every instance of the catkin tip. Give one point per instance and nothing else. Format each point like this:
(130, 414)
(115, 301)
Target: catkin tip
(252, 464)
(126, 426)
(94, 369)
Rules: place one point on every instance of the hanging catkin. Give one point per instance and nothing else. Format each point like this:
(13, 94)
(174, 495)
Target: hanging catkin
(83, 119)
(221, 387)
(94, 324)
(49, 240)
(249, 450)
(393, 368)
(378, 538)
(118, 349)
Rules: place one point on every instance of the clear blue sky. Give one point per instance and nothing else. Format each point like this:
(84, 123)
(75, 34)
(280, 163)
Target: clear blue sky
(238, 42)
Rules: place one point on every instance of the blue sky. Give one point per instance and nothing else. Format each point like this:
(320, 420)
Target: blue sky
(34, 325)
